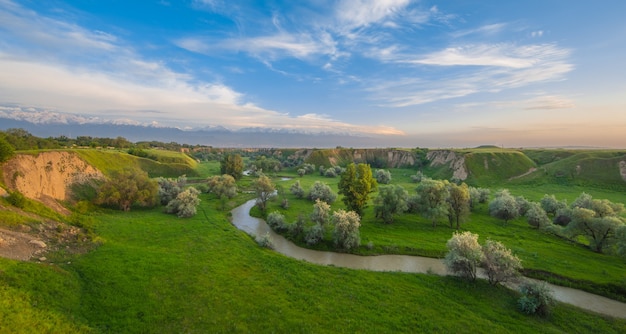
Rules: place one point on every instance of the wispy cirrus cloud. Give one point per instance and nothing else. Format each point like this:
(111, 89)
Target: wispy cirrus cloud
(100, 75)
(498, 55)
(483, 68)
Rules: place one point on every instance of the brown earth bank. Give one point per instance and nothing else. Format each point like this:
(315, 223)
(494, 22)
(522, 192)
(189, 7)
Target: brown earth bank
(48, 176)
(36, 240)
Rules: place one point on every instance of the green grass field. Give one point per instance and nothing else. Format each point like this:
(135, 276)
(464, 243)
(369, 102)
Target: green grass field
(155, 273)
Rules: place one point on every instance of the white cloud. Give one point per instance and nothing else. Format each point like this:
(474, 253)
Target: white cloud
(353, 14)
(484, 68)
(116, 82)
(502, 55)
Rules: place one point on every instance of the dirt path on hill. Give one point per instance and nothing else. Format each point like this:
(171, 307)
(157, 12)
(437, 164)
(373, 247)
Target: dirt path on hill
(531, 170)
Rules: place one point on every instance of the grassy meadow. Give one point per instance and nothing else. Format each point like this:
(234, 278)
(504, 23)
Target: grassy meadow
(155, 273)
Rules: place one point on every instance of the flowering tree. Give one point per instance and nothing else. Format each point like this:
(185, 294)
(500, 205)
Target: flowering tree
(346, 234)
(464, 254)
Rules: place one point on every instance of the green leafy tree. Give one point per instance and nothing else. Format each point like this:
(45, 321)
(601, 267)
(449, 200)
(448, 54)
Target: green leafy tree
(232, 164)
(599, 231)
(222, 186)
(356, 185)
(346, 234)
(620, 235)
(536, 216)
(383, 176)
(432, 199)
(551, 205)
(276, 221)
(464, 254)
(458, 204)
(499, 263)
(322, 191)
(391, 200)
(264, 189)
(504, 206)
(127, 188)
(297, 189)
(185, 203)
(6, 149)
(537, 298)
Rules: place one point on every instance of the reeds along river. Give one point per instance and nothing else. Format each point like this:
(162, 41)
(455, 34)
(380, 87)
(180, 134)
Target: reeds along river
(412, 264)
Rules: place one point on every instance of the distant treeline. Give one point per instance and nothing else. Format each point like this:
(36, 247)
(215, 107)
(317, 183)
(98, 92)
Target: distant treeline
(22, 140)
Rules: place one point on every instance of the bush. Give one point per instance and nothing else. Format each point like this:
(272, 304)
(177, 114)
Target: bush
(536, 298)
(296, 190)
(499, 263)
(464, 254)
(330, 173)
(383, 176)
(322, 192)
(170, 188)
(184, 205)
(16, 199)
(314, 235)
(265, 241)
(298, 226)
(276, 221)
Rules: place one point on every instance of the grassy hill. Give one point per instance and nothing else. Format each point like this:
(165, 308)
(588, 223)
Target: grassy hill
(165, 163)
(596, 168)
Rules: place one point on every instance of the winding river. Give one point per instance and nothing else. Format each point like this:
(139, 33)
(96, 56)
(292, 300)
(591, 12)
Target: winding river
(413, 264)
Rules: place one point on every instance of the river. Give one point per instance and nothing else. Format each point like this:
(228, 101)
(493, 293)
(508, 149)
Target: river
(412, 264)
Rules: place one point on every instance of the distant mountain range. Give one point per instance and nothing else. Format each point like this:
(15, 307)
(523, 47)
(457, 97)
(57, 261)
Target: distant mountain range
(216, 136)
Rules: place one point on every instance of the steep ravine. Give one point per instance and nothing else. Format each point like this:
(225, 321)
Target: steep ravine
(48, 176)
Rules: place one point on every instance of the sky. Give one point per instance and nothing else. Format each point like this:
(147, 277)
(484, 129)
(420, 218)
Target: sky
(412, 73)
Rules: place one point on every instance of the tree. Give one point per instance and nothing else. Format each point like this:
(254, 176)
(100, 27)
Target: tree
(464, 254)
(584, 201)
(321, 213)
(355, 185)
(264, 189)
(232, 164)
(322, 191)
(301, 172)
(314, 235)
(6, 149)
(620, 235)
(536, 216)
(478, 195)
(170, 188)
(536, 298)
(551, 205)
(432, 199)
(383, 176)
(297, 190)
(184, 205)
(126, 188)
(346, 234)
(599, 231)
(391, 200)
(504, 206)
(499, 263)
(458, 203)
(276, 221)
(222, 186)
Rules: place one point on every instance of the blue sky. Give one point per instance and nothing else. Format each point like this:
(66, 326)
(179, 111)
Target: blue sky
(414, 73)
